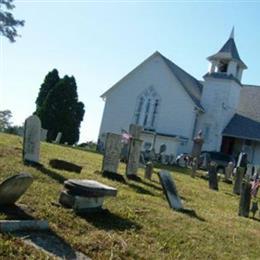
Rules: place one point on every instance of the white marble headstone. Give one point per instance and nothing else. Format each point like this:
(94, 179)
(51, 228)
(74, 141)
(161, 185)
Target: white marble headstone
(31, 140)
(58, 138)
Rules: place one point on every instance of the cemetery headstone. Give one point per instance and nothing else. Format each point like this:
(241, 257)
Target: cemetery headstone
(148, 170)
(238, 180)
(245, 199)
(58, 138)
(113, 146)
(135, 130)
(44, 133)
(85, 195)
(170, 190)
(194, 167)
(14, 187)
(228, 172)
(213, 177)
(133, 157)
(31, 140)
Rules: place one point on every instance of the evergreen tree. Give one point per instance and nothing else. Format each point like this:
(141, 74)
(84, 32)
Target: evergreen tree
(51, 79)
(61, 111)
(8, 23)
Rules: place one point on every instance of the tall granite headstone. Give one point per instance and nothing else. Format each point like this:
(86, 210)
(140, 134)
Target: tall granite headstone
(113, 146)
(238, 180)
(31, 140)
(213, 177)
(133, 156)
(245, 199)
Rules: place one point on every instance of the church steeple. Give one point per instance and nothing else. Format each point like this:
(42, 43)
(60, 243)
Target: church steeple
(227, 62)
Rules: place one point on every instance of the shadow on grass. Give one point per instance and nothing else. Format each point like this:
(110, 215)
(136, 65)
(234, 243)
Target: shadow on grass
(107, 220)
(191, 213)
(51, 243)
(54, 175)
(174, 168)
(149, 184)
(14, 212)
(114, 176)
(140, 189)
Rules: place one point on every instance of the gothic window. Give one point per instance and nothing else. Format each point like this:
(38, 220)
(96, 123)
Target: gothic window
(147, 108)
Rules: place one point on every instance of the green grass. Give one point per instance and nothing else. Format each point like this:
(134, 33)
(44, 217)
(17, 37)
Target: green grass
(139, 223)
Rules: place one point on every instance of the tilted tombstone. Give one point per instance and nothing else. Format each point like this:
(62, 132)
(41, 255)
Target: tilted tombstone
(44, 133)
(133, 157)
(170, 190)
(14, 187)
(31, 140)
(213, 177)
(58, 138)
(240, 171)
(113, 146)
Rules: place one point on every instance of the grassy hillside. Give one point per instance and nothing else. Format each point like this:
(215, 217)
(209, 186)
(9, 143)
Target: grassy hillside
(138, 223)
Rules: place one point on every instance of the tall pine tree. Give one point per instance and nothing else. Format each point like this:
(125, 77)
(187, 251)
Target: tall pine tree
(59, 108)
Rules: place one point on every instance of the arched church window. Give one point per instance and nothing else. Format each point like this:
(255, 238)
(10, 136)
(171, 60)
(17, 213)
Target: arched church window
(147, 108)
(139, 110)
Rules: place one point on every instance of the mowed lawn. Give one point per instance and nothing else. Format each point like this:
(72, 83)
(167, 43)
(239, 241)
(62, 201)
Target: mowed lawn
(138, 223)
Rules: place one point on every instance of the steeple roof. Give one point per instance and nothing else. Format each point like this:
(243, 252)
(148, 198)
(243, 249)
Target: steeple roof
(229, 52)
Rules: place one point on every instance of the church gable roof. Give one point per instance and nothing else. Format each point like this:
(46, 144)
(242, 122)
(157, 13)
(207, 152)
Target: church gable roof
(242, 127)
(191, 85)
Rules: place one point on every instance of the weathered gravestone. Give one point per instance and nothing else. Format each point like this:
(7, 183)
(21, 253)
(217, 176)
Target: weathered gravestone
(13, 188)
(112, 153)
(135, 130)
(170, 190)
(31, 140)
(148, 170)
(213, 177)
(58, 138)
(245, 198)
(44, 133)
(133, 158)
(85, 195)
(196, 150)
(240, 171)
(228, 172)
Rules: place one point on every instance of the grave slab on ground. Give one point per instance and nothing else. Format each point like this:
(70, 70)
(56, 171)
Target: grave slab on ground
(64, 165)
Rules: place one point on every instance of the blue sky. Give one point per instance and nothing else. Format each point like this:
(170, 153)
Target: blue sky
(99, 42)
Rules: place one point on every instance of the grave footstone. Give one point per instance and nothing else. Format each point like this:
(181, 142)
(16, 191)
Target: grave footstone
(31, 140)
(112, 153)
(170, 190)
(14, 187)
(240, 171)
(213, 177)
(85, 195)
(148, 170)
(133, 157)
(245, 199)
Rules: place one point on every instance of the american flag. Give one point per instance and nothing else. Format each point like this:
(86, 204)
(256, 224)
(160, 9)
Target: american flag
(125, 136)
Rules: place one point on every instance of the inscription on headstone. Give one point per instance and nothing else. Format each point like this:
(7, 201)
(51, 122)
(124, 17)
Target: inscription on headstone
(31, 140)
(133, 156)
(170, 190)
(112, 153)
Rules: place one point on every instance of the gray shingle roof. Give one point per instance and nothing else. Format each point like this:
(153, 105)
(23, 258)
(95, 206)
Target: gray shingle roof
(192, 86)
(242, 127)
(230, 47)
(249, 104)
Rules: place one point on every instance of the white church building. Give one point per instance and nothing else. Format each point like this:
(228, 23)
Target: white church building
(172, 106)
